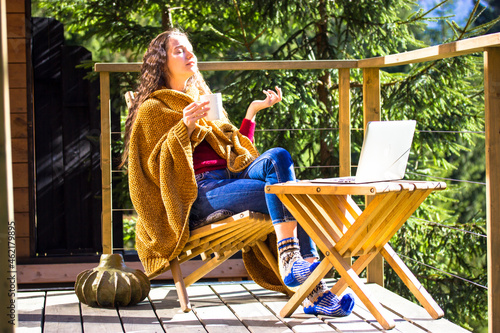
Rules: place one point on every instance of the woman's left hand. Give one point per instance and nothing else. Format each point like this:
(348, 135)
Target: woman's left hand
(272, 97)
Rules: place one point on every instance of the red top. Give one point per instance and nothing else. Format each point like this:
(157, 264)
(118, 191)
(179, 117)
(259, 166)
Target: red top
(206, 159)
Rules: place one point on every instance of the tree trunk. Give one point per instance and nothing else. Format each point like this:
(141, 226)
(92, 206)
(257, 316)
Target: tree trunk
(324, 87)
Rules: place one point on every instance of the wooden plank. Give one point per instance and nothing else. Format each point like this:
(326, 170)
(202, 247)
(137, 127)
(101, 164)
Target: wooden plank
(303, 218)
(414, 202)
(212, 313)
(306, 288)
(15, 6)
(140, 318)
(358, 266)
(107, 223)
(371, 95)
(299, 321)
(165, 302)
(30, 311)
(412, 312)
(359, 225)
(218, 260)
(22, 224)
(344, 122)
(19, 150)
(355, 322)
(316, 219)
(17, 50)
(239, 65)
(412, 282)
(371, 112)
(232, 222)
(360, 290)
(100, 319)
(21, 200)
(16, 27)
(179, 285)
(22, 247)
(66, 273)
(19, 125)
(400, 204)
(17, 75)
(492, 127)
(18, 100)
(378, 224)
(20, 174)
(62, 312)
(329, 219)
(449, 50)
(308, 187)
(270, 258)
(253, 314)
(401, 325)
(338, 214)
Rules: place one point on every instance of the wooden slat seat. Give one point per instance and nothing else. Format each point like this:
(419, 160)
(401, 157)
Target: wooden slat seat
(219, 241)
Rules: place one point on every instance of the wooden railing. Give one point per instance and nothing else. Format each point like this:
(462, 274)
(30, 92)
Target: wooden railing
(488, 44)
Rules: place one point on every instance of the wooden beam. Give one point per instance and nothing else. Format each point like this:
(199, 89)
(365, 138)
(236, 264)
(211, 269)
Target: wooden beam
(8, 273)
(67, 273)
(239, 65)
(106, 219)
(371, 112)
(492, 127)
(449, 50)
(344, 122)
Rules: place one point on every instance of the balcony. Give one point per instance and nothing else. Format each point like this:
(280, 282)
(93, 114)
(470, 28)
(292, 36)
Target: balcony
(233, 298)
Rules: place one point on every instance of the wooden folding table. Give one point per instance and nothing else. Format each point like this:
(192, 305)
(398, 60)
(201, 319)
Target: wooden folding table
(341, 230)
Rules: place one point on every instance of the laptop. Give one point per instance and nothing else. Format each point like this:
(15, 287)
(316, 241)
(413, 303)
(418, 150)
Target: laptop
(384, 154)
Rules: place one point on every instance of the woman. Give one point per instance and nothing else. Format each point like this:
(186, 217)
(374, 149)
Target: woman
(183, 168)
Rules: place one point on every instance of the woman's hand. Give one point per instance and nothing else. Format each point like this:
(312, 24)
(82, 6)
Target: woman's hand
(192, 113)
(272, 97)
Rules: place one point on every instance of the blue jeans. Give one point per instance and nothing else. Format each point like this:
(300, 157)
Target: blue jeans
(237, 192)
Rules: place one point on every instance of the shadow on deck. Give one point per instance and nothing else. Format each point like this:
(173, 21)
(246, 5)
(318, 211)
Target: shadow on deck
(217, 307)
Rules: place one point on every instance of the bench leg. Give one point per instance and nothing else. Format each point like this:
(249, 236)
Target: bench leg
(179, 285)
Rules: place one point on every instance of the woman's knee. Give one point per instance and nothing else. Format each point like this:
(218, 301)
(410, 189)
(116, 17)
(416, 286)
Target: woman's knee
(280, 155)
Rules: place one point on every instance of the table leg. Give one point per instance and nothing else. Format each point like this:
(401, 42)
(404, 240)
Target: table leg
(359, 265)
(306, 288)
(359, 288)
(411, 282)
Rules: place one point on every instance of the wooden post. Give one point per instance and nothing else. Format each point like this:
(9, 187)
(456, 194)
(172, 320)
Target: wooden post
(371, 112)
(106, 220)
(344, 122)
(492, 128)
(8, 276)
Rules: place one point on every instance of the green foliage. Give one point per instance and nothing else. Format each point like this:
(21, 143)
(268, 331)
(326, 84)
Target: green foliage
(129, 222)
(445, 97)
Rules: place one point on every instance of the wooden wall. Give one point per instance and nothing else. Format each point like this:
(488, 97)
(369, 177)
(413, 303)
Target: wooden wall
(17, 13)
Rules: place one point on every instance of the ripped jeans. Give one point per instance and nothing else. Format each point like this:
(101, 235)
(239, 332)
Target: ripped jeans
(237, 192)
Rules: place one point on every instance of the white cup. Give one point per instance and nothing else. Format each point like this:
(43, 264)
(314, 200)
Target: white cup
(215, 106)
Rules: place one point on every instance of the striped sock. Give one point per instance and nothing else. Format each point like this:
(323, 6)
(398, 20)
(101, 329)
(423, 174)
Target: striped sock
(295, 270)
(322, 301)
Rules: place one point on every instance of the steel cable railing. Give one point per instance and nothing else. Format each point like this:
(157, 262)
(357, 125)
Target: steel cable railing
(432, 223)
(447, 273)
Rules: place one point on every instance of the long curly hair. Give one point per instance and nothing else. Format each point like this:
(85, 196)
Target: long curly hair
(154, 76)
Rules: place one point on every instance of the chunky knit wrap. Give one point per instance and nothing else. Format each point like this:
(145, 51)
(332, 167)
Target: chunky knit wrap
(162, 180)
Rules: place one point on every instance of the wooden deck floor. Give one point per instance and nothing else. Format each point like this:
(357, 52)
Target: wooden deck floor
(217, 307)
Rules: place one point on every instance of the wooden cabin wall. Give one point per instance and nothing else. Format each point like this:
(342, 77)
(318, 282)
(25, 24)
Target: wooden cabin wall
(18, 13)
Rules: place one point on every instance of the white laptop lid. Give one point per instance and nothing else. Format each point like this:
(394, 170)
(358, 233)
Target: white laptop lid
(385, 151)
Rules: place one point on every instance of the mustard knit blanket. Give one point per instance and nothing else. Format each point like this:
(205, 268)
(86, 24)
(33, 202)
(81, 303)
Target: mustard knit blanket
(161, 175)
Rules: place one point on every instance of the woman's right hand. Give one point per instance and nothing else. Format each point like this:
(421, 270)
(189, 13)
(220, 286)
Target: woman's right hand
(192, 113)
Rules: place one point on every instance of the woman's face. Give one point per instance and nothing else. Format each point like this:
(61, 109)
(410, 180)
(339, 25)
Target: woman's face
(181, 61)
